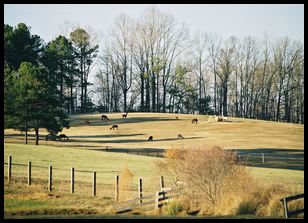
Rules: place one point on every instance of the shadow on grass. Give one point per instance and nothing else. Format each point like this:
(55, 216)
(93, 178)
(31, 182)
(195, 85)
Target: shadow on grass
(131, 150)
(145, 140)
(107, 136)
(292, 159)
(99, 122)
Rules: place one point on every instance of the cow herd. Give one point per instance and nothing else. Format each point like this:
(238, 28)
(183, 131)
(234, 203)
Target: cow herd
(54, 137)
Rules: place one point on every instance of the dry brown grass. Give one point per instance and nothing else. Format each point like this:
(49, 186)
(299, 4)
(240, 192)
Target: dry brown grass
(216, 185)
(134, 131)
(210, 175)
(126, 187)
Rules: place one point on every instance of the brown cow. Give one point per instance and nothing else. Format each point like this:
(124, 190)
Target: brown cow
(63, 136)
(105, 117)
(194, 120)
(114, 127)
(87, 122)
(124, 115)
(180, 136)
(150, 138)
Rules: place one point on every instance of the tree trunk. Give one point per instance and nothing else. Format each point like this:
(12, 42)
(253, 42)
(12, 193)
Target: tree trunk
(164, 99)
(61, 86)
(81, 82)
(26, 132)
(125, 98)
(153, 86)
(225, 101)
(157, 93)
(142, 91)
(36, 136)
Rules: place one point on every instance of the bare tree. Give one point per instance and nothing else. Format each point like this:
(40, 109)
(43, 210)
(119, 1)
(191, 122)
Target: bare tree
(213, 48)
(121, 48)
(200, 58)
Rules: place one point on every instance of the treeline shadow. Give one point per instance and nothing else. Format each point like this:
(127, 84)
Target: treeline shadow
(130, 150)
(106, 136)
(145, 140)
(280, 158)
(99, 122)
(273, 151)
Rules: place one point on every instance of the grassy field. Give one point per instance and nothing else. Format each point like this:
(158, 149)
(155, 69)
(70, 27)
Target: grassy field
(134, 131)
(21, 200)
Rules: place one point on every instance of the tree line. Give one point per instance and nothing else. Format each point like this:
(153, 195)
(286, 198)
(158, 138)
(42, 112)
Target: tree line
(149, 64)
(152, 64)
(42, 81)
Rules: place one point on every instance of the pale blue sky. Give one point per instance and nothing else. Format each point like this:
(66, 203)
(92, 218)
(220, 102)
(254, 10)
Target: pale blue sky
(276, 20)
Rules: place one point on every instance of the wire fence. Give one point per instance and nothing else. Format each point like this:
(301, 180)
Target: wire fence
(83, 180)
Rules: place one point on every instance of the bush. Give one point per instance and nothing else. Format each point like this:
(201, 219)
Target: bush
(174, 208)
(247, 206)
(210, 175)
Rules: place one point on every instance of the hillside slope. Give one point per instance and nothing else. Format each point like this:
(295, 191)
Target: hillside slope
(134, 131)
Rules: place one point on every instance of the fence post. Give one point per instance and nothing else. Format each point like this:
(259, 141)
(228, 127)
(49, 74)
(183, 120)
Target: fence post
(29, 173)
(285, 207)
(162, 184)
(157, 200)
(263, 158)
(140, 190)
(117, 188)
(239, 157)
(72, 180)
(9, 165)
(50, 179)
(94, 184)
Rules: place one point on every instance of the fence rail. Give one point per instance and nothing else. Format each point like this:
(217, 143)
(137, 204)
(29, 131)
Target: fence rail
(285, 202)
(129, 205)
(280, 159)
(158, 199)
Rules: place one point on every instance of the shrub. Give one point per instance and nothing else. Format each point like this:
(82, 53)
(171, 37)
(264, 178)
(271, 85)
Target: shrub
(210, 175)
(247, 206)
(174, 208)
(125, 184)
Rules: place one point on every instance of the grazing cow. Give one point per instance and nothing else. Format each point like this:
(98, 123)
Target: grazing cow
(176, 117)
(105, 117)
(51, 137)
(87, 122)
(220, 119)
(124, 115)
(194, 120)
(114, 127)
(150, 138)
(63, 136)
(180, 136)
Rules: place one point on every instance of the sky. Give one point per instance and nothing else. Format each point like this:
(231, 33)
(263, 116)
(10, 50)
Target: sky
(276, 20)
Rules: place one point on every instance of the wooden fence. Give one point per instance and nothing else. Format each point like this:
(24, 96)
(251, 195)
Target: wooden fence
(50, 175)
(158, 199)
(285, 202)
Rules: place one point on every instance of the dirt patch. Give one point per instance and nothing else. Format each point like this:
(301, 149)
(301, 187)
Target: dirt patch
(64, 211)
(35, 196)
